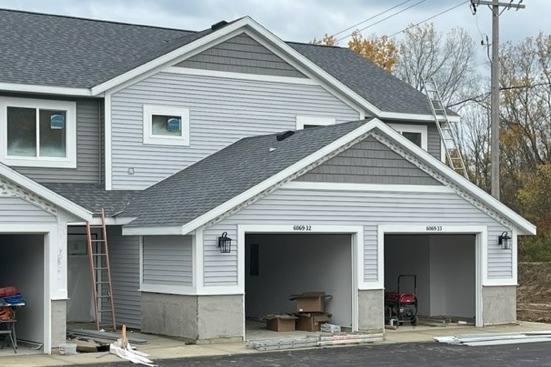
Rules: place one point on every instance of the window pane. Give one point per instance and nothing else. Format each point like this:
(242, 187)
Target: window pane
(162, 125)
(52, 133)
(21, 132)
(415, 138)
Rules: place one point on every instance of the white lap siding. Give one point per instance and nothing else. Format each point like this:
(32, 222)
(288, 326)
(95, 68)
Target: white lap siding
(221, 112)
(16, 210)
(367, 209)
(167, 260)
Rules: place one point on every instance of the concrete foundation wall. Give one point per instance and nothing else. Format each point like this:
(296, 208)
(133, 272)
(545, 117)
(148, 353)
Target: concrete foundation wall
(371, 315)
(499, 305)
(168, 314)
(221, 318)
(203, 319)
(59, 322)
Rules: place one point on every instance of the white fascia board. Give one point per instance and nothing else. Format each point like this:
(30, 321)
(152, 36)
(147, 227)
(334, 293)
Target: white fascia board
(152, 231)
(525, 226)
(45, 193)
(414, 117)
(253, 191)
(45, 89)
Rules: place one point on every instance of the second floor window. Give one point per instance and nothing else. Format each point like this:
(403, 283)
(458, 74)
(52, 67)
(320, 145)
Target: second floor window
(417, 134)
(39, 133)
(165, 125)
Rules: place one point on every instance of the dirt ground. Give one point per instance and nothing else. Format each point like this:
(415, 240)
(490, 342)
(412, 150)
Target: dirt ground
(534, 292)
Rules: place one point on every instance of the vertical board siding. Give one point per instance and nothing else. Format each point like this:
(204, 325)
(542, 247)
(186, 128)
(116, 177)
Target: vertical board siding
(167, 260)
(221, 112)
(369, 162)
(16, 210)
(367, 209)
(88, 150)
(241, 54)
(124, 252)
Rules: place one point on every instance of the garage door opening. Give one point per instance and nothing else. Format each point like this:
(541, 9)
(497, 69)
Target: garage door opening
(280, 265)
(22, 266)
(446, 268)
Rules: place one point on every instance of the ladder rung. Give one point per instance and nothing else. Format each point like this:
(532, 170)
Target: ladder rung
(97, 240)
(101, 268)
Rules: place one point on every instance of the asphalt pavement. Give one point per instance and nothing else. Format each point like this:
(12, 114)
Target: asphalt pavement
(389, 355)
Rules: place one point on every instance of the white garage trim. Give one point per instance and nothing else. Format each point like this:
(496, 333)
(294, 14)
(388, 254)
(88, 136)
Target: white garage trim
(481, 233)
(50, 274)
(357, 243)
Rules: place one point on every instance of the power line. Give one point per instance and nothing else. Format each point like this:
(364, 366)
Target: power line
(385, 18)
(429, 18)
(373, 17)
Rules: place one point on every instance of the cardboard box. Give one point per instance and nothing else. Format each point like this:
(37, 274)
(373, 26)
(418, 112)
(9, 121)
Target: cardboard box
(311, 321)
(310, 301)
(281, 322)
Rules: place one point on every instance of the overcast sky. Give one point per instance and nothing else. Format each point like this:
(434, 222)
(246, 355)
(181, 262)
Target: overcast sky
(302, 20)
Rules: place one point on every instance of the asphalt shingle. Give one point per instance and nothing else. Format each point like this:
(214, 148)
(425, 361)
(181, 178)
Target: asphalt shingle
(218, 178)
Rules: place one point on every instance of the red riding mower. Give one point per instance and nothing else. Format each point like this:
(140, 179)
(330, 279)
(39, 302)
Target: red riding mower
(401, 307)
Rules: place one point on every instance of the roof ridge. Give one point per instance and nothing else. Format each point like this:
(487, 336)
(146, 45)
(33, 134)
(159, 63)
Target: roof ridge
(95, 20)
(314, 44)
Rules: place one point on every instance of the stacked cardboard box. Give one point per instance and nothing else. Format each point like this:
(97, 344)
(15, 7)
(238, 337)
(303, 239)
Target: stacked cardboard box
(280, 322)
(311, 310)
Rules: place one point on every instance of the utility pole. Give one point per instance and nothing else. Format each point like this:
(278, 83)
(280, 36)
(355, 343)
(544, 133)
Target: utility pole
(494, 6)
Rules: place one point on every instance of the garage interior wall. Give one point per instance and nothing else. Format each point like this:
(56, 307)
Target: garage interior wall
(296, 263)
(80, 306)
(445, 266)
(22, 266)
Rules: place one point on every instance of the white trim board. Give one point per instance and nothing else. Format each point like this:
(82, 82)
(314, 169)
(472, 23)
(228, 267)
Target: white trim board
(481, 251)
(45, 89)
(338, 186)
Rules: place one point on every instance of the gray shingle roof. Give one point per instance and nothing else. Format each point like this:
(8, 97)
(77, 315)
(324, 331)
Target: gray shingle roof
(375, 85)
(82, 53)
(62, 51)
(220, 177)
(94, 197)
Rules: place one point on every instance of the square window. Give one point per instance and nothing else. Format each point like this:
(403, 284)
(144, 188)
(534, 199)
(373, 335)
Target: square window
(417, 134)
(415, 138)
(165, 125)
(38, 133)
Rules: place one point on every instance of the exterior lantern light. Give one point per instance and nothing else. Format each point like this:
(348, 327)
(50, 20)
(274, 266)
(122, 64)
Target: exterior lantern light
(505, 240)
(224, 243)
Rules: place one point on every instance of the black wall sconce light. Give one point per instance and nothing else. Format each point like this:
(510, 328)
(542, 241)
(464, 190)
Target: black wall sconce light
(504, 240)
(224, 243)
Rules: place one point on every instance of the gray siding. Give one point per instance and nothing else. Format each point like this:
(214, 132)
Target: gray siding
(16, 210)
(368, 209)
(221, 111)
(124, 259)
(167, 260)
(88, 150)
(434, 142)
(241, 54)
(369, 162)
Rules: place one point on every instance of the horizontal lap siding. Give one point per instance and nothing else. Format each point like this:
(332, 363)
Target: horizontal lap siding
(16, 210)
(368, 209)
(125, 272)
(434, 141)
(167, 260)
(221, 112)
(241, 54)
(369, 162)
(88, 150)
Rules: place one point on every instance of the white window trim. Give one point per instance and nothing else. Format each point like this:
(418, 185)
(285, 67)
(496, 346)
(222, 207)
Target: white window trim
(314, 120)
(422, 129)
(149, 138)
(70, 161)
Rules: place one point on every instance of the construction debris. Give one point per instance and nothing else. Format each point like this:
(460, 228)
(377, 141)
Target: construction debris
(122, 349)
(476, 340)
(101, 335)
(313, 341)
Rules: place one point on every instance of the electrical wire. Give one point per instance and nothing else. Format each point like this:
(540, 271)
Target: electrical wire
(373, 17)
(429, 18)
(385, 18)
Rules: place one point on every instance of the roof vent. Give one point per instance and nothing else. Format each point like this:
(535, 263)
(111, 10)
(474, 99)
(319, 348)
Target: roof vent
(219, 25)
(284, 135)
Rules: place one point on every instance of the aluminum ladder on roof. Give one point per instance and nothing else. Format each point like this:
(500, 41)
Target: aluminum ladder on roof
(100, 274)
(445, 127)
